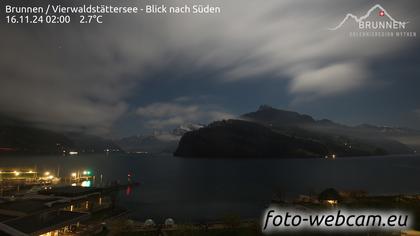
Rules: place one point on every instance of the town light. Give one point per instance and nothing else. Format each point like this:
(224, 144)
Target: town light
(17, 173)
(73, 174)
(47, 173)
(332, 202)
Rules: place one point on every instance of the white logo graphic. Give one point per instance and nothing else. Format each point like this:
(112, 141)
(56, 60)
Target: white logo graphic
(391, 24)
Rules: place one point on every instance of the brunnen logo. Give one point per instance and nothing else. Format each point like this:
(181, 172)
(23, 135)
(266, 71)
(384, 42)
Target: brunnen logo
(384, 25)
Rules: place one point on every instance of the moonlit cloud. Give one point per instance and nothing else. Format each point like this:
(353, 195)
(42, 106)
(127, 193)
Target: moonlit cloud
(330, 80)
(167, 114)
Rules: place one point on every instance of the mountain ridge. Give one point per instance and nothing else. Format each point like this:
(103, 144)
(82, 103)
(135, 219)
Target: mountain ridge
(19, 137)
(293, 127)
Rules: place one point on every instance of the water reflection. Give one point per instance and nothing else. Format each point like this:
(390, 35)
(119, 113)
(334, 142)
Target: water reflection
(209, 189)
(86, 183)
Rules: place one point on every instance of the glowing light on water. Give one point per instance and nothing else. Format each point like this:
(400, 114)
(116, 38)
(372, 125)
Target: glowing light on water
(86, 183)
(128, 191)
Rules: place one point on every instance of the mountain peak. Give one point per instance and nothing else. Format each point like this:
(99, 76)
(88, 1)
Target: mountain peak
(277, 117)
(265, 107)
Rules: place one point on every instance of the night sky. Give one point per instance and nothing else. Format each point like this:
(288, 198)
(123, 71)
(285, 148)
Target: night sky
(133, 74)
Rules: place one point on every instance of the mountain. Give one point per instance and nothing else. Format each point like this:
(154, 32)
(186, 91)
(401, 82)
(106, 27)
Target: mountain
(271, 132)
(23, 139)
(86, 143)
(158, 142)
(153, 143)
(393, 140)
(181, 130)
(275, 117)
(20, 137)
(244, 139)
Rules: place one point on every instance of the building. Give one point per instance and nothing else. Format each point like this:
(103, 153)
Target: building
(52, 210)
(18, 175)
(330, 197)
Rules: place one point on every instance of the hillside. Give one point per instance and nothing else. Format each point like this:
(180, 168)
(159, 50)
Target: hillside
(270, 132)
(238, 138)
(18, 137)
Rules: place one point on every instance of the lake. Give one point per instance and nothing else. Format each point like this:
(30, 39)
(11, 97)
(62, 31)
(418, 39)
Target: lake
(205, 189)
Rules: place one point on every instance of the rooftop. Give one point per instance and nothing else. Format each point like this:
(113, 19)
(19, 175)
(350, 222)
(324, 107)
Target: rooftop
(26, 205)
(6, 217)
(44, 222)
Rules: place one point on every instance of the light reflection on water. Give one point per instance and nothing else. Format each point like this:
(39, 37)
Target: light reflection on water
(86, 183)
(200, 189)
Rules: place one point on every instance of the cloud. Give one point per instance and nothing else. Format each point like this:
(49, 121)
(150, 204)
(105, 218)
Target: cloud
(332, 79)
(82, 76)
(64, 84)
(169, 114)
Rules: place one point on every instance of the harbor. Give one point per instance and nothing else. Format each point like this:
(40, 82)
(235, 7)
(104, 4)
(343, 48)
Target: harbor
(43, 203)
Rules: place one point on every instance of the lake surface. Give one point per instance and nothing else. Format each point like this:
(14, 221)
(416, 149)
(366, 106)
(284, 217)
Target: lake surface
(204, 189)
